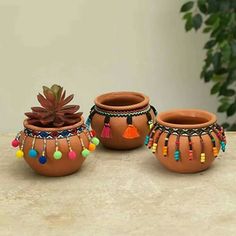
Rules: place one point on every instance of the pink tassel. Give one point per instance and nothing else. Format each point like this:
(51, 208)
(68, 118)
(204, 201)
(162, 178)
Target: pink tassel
(106, 132)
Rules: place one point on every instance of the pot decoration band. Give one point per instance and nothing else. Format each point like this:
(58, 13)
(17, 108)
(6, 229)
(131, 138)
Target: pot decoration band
(151, 140)
(131, 131)
(57, 136)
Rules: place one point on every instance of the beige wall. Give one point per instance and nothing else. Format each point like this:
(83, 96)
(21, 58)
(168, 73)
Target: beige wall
(94, 46)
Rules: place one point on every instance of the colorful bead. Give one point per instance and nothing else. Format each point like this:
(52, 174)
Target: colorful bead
(19, 154)
(42, 160)
(33, 153)
(215, 152)
(92, 133)
(190, 155)
(146, 140)
(85, 152)
(154, 147)
(72, 155)
(203, 157)
(222, 146)
(95, 141)
(57, 155)
(164, 150)
(177, 155)
(91, 147)
(15, 143)
(150, 142)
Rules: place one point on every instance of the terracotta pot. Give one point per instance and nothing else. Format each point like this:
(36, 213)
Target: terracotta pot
(186, 141)
(122, 119)
(71, 144)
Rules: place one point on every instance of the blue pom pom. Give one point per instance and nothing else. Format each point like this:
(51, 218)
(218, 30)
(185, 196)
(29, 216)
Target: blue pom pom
(33, 153)
(42, 160)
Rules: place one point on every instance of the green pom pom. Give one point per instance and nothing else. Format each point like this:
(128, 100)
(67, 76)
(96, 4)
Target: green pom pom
(57, 155)
(95, 141)
(85, 152)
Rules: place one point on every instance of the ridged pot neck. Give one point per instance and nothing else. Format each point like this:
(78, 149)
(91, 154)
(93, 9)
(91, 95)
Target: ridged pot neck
(186, 118)
(49, 129)
(121, 101)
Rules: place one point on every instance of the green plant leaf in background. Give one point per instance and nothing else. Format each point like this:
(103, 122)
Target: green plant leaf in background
(218, 19)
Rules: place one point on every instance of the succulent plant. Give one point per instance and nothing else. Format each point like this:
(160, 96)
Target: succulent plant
(54, 111)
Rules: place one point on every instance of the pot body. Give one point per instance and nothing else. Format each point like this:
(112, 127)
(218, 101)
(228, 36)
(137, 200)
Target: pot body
(186, 141)
(118, 106)
(65, 140)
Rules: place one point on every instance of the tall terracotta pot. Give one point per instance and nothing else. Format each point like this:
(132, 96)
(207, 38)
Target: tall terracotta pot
(186, 141)
(54, 151)
(121, 120)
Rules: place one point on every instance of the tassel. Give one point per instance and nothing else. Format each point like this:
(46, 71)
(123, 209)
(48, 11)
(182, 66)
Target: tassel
(106, 132)
(131, 131)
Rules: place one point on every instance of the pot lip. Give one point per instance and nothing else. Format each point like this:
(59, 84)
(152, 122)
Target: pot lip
(48, 129)
(197, 113)
(100, 99)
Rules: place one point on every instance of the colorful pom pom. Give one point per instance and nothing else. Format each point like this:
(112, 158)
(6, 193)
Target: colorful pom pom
(85, 152)
(95, 141)
(15, 143)
(57, 155)
(72, 155)
(19, 154)
(33, 153)
(92, 147)
(42, 160)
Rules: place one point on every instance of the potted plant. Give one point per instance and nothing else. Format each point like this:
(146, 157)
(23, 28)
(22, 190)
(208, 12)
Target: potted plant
(186, 141)
(121, 120)
(55, 141)
(218, 19)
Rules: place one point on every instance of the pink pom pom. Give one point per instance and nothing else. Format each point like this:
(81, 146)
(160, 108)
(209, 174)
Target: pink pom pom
(15, 143)
(72, 155)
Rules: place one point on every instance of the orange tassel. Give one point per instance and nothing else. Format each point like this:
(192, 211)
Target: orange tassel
(131, 132)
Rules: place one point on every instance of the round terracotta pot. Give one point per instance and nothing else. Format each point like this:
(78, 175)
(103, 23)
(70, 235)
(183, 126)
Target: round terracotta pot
(68, 139)
(126, 117)
(186, 141)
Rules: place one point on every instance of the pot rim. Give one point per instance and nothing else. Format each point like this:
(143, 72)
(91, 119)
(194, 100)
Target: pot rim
(99, 101)
(211, 118)
(51, 129)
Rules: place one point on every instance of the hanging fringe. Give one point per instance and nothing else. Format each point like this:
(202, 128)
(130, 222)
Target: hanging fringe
(131, 131)
(165, 148)
(156, 138)
(190, 152)
(177, 151)
(106, 131)
(214, 149)
(203, 155)
(150, 121)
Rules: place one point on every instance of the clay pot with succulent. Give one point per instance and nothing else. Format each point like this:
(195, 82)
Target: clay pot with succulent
(55, 140)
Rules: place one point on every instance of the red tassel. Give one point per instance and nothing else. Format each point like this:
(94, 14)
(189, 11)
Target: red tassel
(131, 132)
(106, 132)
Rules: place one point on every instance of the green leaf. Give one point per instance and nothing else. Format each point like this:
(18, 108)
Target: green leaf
(225, 5)
(209, 44)
(228, 92)
(216, 60)
(233, 48)
(208, 76)
(223, 107)
(217, 78)
(189, 24)
(232, 109)
(197, 21)
(216, 88)
(187, 6)
(211, 19)
(207, 30)
(202, 6)
(232, 64)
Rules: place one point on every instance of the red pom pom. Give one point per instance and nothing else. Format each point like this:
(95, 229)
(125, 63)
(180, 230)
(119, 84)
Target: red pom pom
(92, 133)
(15, 143)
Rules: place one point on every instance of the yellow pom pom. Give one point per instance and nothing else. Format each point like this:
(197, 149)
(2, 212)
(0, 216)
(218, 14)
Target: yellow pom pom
(19, 154)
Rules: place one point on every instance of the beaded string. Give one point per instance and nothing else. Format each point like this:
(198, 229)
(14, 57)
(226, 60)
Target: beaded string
(43, 158)
(203, 155)
(85, 151)
(150, 121)
(190, 154)
(20, 153)
(214, 149)
(32, 152)
(150, 140)
(57, 154)
(71, 154)
(177, 151)
(165, 148)
(219, 131)
(156, 139)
